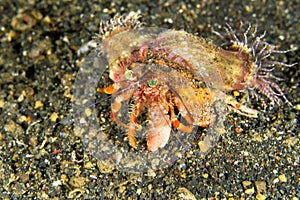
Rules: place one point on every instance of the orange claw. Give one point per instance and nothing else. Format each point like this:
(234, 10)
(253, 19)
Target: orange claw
(159, 127)
(117, 102)
(109, 89)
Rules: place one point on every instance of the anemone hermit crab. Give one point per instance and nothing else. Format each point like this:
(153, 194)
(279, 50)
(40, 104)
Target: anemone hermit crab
(173, 73)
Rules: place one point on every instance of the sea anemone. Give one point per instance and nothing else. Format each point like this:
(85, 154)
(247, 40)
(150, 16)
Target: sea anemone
(261, 66)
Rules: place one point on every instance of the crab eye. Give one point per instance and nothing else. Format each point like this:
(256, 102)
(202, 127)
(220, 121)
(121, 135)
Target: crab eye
(153, 82)
(129, 75)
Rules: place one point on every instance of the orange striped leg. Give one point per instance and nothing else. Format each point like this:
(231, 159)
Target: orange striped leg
(135, 112)
(177, 124)
(185, 114)
(117, 102)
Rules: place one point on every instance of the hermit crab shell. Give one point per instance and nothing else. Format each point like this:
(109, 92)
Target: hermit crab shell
(219, 69)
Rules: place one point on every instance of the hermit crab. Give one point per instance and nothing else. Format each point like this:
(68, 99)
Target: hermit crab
(178, 77)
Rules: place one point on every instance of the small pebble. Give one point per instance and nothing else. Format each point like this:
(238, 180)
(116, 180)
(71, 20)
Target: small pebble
(183, 175)
(184, 193)
(89, 165)
(297, 107)
(282, 178)
(14, 128)
(246, 183)
(21, 98)
(23, 118)
(276, 180)
(260, 196)
(88, 112)
(151, 173)
(64, 178)
(33, 141)
(68, 94)
(105, 167)
(47, 19)
(2, 103)
(77, 181)
(56, 183)
(236, 93)
(261, 187)
(205, 175)
(204, 145)
(122, 189)
(54, 117)
(38, 104)
(249, 191)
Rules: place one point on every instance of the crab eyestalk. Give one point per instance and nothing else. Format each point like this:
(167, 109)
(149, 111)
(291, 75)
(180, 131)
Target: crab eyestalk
(129, 75)
(153, 82)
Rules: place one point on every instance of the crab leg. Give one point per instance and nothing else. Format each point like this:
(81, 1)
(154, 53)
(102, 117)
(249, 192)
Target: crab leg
(117, 102)
(176, 123)
(135, 112)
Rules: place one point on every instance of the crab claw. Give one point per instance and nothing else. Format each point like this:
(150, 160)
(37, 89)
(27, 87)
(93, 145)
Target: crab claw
(158, 139)
(160, 128)
(235, 106)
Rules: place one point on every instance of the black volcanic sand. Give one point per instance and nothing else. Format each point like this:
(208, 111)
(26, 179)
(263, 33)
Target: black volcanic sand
(39, 60)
